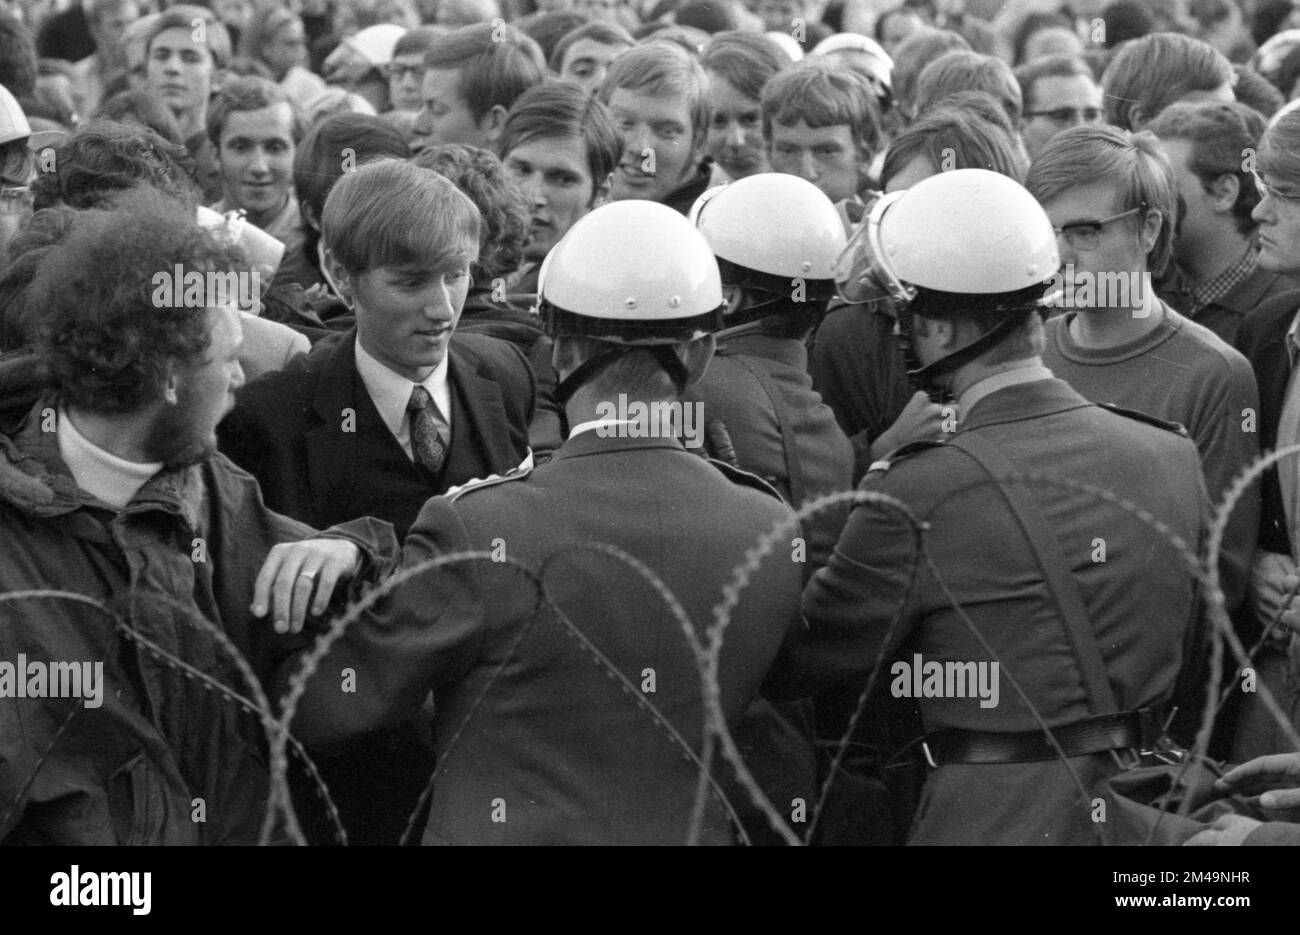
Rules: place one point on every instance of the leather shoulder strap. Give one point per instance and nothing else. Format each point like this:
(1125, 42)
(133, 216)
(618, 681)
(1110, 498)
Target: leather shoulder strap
(1051, 560)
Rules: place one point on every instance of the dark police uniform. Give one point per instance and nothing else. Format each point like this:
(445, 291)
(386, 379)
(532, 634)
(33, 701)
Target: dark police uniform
(1139, 600)
(543, 723)
(758, 386)
(857, 369)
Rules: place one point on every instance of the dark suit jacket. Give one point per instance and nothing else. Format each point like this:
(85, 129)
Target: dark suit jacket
(1225, 315)
(314, 440)
(1262, 339)
(537, 741)
(516, 324)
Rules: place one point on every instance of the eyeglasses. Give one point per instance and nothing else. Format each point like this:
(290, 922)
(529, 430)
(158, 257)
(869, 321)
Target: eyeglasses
(1068, 114)
(399, 71)
(1085, 235)
(1266, 190)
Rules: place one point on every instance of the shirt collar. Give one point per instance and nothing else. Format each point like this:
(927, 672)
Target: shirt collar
(1029, 373)
(1212, 290)
(391, 392)
(285, 223)
(595, 424)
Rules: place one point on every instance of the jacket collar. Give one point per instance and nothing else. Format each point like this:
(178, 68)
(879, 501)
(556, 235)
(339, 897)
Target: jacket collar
(593, 443)
(1023, 401)
(34, 477)
(340, 388)
(1244, 297)
(789, 351)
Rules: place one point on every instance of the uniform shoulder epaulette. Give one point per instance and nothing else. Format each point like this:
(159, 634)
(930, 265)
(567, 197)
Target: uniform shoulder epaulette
(901, 454)
(743, 478)
(480, 483)
(1175, 427)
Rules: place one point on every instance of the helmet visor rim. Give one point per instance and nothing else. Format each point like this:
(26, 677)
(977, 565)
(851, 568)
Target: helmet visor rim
(862, 273)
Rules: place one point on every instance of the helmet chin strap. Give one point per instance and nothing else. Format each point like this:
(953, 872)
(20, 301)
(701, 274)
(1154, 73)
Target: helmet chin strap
(592, 366)
(925, 377)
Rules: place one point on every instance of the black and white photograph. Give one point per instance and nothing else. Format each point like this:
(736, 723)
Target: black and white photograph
(651, 422)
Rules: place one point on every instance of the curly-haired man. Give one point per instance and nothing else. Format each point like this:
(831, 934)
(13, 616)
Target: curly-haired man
(112, 495)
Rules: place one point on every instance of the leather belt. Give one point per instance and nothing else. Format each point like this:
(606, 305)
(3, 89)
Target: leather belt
(1136, 730)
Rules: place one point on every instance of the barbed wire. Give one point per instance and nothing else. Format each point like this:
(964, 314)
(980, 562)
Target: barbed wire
(717, 738)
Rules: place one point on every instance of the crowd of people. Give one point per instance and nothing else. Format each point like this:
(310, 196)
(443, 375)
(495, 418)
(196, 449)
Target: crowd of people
(626, 422)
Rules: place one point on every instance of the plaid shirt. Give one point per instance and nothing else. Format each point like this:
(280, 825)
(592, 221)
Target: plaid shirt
(1209, 292)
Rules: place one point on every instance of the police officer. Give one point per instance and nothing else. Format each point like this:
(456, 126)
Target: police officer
(760, 408)
(581, 722)
(1084, 605)
(757, 385)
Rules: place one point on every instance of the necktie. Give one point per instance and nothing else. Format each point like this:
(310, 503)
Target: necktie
(427, 443)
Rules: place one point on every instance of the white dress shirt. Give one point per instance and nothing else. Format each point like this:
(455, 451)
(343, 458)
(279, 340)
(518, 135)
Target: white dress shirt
(595, 425)
(391, 392)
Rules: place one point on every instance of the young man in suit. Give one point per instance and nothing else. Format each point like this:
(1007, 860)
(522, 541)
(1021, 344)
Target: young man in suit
(376, 421)
(336, 434)
(582, 723)
(1268, 338)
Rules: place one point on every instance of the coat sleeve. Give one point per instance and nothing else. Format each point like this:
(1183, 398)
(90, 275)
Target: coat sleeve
(857, 607)
(422, 627)
(242, 530)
